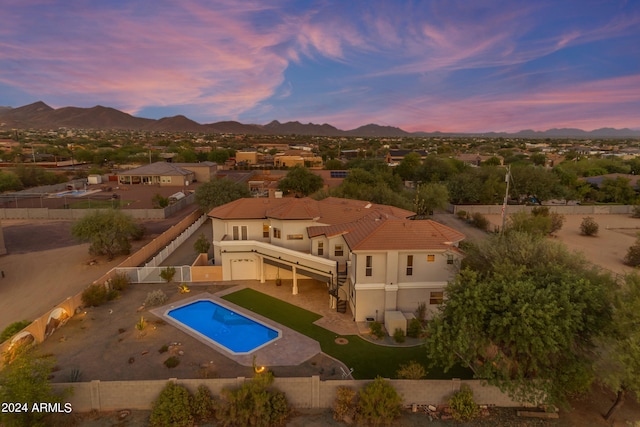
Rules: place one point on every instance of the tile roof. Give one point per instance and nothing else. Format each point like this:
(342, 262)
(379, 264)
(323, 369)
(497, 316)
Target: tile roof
(381, 233)
(255, 208)
(329, 211)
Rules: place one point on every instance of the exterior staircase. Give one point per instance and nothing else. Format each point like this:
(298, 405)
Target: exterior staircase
(341, 279)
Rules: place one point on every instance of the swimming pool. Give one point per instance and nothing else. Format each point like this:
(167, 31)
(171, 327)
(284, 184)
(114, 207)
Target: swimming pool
(234, 332)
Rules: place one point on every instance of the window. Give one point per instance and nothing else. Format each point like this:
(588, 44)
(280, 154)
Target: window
(265, 231)
(276, 233)
(338, 251)
(240, 231)
(320, 248)
(295, 237)
(431, 258)
(409, 265)
(369, 269)
(449, 259)
(436, 298)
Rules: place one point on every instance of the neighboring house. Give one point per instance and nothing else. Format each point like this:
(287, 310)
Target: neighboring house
(372, 258)
(203, 171)
(396, 156)
(597, 180)
(292, 158)
(331, 178)
(168, 174)
(248, 156)
(476, 159)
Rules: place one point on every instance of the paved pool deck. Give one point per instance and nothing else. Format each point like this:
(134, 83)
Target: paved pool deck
(291, 349)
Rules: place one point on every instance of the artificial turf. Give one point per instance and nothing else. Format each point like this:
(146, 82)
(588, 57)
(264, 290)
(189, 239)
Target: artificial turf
(368, 360)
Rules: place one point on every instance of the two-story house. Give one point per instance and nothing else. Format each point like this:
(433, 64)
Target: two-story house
(372, 258)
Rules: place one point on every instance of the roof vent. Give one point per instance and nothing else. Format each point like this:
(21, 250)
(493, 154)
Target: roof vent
(367, 206)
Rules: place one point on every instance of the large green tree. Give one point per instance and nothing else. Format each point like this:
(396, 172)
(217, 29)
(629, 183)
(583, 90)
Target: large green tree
(218, 192)
(300, 181)
(109, 232)
(430, 196)
(619, 365)
(25, 381)
(523, 314)
(408, 166)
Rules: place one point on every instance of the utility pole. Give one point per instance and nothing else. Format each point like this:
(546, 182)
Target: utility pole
(507, 178)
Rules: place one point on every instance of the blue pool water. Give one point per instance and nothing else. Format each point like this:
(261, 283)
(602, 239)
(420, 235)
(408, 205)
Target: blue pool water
(235, 332)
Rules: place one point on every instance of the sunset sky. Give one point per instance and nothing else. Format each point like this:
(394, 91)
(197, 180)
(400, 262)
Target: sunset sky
(467, 66)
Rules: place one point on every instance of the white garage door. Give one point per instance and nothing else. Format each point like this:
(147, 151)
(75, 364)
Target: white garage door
(243, 269)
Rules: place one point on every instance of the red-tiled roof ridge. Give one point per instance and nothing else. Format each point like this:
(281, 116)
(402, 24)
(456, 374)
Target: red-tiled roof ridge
(246, 208)
(330, 211)
(369, 222)
(305, 208)
(403, 234)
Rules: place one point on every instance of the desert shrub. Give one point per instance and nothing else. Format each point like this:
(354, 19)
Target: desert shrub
(95, 295)
(120, 282)
(112, 294)
(155, 298)
(632, 257)
(463, 407)
(203, 404)
(202, 245)
(159, 202)
(75, 375)
(172, 362)
(479, 221)
(461, 214)
(376, 329)
(414, 329)
(253, 404)
(411, 371)
(344, 407)
(13, 329)
(398, 335)
(138, 232)
(172, 408)
(163, 349)
(557, 221)
(168, 273)
(378, 403)
(141, 324)
(635, 213)
(589, 227)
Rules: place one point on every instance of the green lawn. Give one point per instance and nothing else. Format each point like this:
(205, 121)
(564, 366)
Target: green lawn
(368, 360)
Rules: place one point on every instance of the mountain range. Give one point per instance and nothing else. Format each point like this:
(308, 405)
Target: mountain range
(41, 116)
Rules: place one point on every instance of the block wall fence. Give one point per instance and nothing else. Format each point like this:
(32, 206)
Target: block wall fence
(561, 209)
(301, 393)
(44, 325)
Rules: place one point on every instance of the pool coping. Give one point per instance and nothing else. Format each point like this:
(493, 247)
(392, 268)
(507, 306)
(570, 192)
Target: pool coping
(221, 346)
(290, 349)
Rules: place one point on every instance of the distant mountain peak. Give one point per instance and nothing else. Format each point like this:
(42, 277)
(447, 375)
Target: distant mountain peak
(40, 115)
